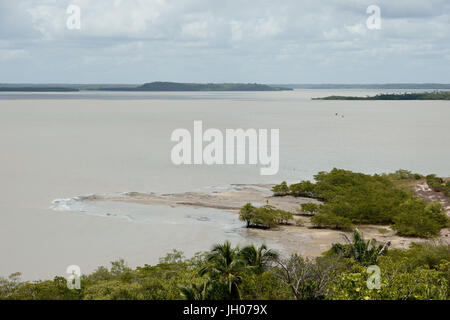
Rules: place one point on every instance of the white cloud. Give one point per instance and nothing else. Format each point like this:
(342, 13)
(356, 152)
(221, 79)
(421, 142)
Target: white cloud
(237, 31)
(288, 41)
(359, 29)
(331, 34)
(9, 54)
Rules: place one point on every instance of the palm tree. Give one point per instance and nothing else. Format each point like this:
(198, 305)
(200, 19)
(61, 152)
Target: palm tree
(257, 259)
(364, 252)
(194, 292)
(224, 264)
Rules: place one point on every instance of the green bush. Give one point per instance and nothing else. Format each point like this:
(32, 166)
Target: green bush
(310, 209)
(419, 284)
(282, 216)
(303, 189)
(416, 219)
(426, 255)
(332, 221)
(438, 184)
(364, 252)
(56, 289)
(264, 286)
(402, 174)
(357, 198)
(226, 272)
(263, 217)
(280, 189)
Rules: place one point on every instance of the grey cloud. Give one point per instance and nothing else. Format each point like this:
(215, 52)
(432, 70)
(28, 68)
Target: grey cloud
(204, 40)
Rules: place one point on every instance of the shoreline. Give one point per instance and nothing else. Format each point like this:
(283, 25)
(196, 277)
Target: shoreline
(305, 239)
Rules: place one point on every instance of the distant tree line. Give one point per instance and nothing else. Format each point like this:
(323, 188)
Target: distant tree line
(153, 86)
(176, 86)
(435, 95)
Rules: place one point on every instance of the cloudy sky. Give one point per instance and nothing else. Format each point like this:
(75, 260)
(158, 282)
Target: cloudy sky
(285, 41)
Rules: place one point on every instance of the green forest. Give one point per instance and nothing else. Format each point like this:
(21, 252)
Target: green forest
(435, 95)
(157, 86)
(231, 273)
(350, 198)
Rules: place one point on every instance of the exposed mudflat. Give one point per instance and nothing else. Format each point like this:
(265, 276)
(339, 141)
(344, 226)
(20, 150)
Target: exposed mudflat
(304, 239)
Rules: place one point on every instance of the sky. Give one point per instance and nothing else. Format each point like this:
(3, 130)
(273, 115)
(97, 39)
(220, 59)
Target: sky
(283, 41)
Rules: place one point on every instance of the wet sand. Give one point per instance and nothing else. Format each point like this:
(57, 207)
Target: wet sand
(231, 200)
(304, 239)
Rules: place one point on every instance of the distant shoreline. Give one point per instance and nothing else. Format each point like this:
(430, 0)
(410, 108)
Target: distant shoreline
(38, 89)
(436, 95)
(177, 86)
(147, 87)
(376, 86)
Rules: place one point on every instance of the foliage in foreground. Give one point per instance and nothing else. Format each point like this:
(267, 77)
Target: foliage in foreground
(227, 272)
(365, 253)
(355, 198)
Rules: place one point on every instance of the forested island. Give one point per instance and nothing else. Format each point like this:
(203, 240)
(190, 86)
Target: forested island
(176, 86)
(38, 89)
(435, 95)
(150, 87)
(407, 86)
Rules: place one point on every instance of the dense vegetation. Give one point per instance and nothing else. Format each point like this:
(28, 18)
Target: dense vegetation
(438, 184)
(432, 86)
(38, 89)
(355, 198)
(227, 272)
(153, 86)
(435, 95)
(175, 86)
(263, 217)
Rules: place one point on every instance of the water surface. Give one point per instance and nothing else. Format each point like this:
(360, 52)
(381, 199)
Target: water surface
(56, 146)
